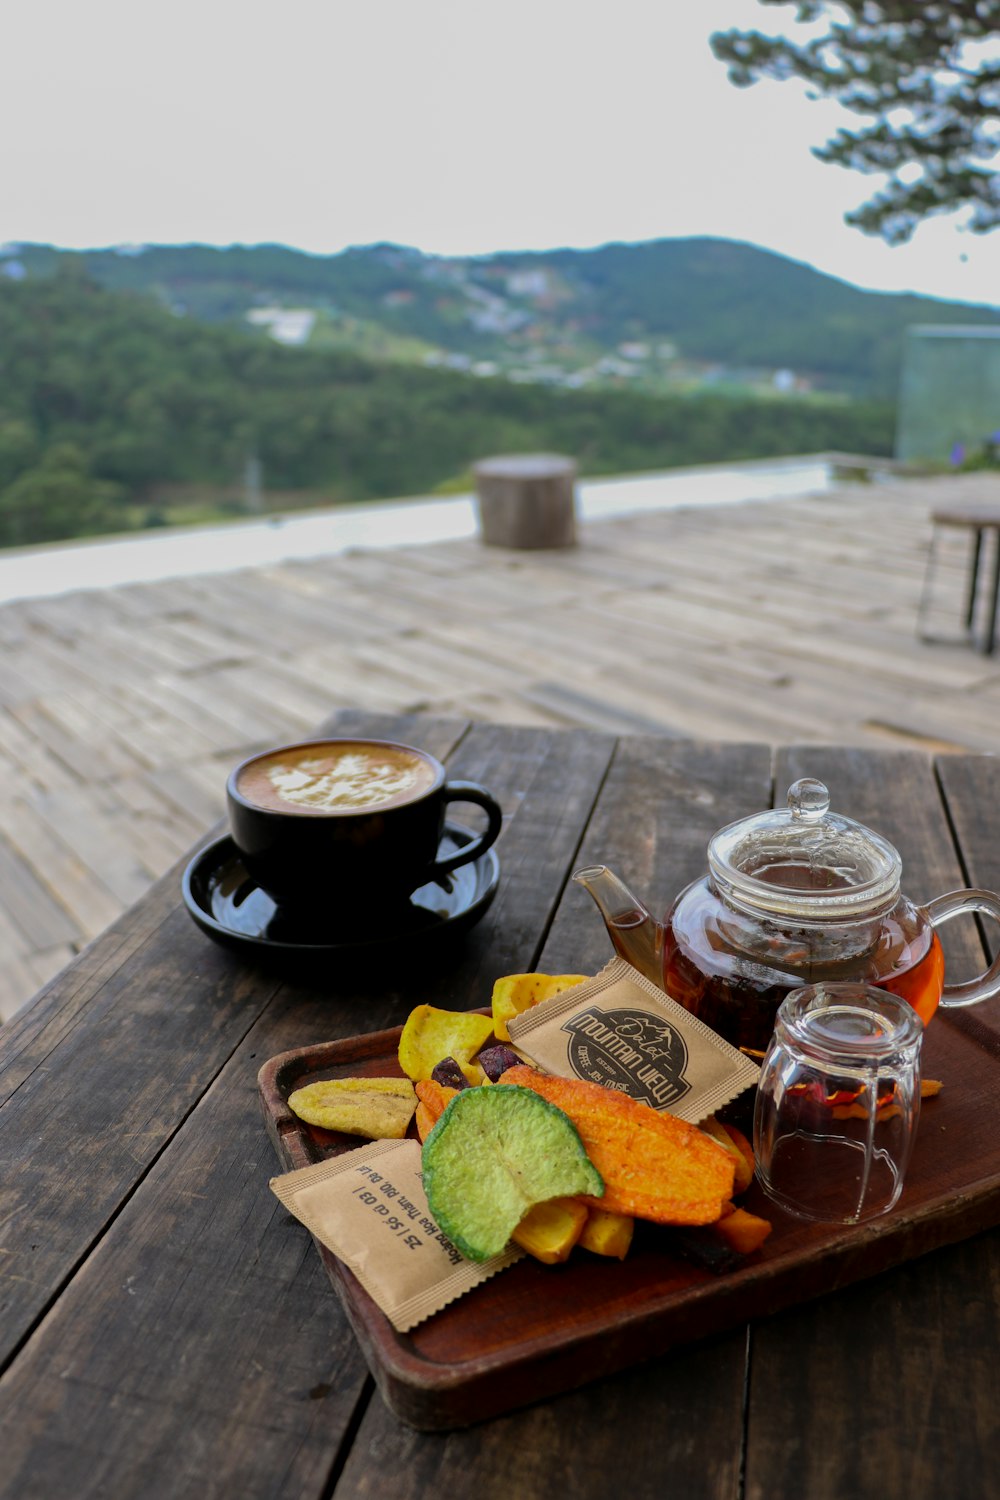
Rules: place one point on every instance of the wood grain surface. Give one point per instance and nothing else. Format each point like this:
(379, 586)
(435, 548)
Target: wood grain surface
(167, 1331)
(788, 620)
(529, 1334)
(884, 1387)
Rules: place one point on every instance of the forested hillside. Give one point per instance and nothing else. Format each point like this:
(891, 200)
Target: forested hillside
(667, 315)
(108, 403)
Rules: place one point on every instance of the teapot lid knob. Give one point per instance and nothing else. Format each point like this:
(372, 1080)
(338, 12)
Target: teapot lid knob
(808, 800)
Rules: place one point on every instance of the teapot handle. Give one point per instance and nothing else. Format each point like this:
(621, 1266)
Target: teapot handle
(954, 904)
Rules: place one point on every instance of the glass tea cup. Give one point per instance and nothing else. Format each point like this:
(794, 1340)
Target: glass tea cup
(838, 1101)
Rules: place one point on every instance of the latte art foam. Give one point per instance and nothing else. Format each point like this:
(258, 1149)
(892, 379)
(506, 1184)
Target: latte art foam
(352, 780)
(341, 778)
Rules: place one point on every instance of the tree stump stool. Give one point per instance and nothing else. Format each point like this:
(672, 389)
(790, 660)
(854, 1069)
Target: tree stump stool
(526, 500)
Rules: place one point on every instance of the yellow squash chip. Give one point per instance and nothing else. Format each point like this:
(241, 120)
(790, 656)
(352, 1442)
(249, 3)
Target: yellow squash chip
(517, 992)
(431, 1034)
(379, 1108)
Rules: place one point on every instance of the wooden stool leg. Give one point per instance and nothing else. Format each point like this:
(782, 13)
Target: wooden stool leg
(991, 625)
(977, 547)
(925, 592)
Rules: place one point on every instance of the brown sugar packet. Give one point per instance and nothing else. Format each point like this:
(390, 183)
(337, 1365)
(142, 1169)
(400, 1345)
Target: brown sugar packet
(368, 1206)
(619, 1030)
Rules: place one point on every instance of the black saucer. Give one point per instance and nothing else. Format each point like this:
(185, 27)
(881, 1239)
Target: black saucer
(229, 907)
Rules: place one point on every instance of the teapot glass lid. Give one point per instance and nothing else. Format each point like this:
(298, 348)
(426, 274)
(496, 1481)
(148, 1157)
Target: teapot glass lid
(806, 862)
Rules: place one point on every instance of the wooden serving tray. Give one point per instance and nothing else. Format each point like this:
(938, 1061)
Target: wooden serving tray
(535, 1330)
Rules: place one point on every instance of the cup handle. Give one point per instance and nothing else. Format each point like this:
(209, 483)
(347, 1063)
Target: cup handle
(954, 904)
(468, 791)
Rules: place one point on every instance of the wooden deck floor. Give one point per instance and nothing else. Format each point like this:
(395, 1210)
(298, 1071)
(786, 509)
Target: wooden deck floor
(121, 711)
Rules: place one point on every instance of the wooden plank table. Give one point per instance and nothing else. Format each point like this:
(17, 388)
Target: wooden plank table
(167, 1330)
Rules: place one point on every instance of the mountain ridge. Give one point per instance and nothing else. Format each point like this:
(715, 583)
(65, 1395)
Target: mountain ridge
(116, 414)
(668, 314)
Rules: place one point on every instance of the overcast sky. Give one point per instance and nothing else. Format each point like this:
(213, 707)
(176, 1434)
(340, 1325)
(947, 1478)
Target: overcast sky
(456, 126)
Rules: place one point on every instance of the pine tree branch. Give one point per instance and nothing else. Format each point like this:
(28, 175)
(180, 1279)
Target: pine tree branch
(889, 58)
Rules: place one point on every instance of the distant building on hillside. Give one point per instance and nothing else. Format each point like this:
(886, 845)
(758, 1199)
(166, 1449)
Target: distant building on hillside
(949, 395)
(533, 283)
(286, 325)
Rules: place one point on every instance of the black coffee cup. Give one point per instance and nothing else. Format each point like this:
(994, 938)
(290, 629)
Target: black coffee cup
(339, 824)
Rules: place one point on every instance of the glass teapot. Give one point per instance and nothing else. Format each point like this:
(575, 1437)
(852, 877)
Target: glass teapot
(795, 896)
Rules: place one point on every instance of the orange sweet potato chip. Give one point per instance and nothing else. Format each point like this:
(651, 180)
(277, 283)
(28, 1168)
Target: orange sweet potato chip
(433, 1095)
(654, 1166)
(743, 1232)
(424, 1121)
(433, 1098)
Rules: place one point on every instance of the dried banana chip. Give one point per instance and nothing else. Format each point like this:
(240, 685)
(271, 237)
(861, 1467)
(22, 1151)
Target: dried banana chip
(379, 1108)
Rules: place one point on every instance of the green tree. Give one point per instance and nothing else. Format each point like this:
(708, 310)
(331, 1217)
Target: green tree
(58, 498)
(109, 405)
(927, 76)
(18, 450)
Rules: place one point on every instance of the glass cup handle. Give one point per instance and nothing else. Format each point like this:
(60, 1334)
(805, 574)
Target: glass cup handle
(955, 904)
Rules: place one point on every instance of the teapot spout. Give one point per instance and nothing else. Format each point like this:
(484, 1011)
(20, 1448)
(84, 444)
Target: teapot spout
(636, 935)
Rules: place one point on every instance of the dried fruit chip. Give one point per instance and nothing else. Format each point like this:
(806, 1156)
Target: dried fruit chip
(654, 1166)
(431, 1034)
(607, 1234)
(379, 1108)
(517, 992)
(497, 1059)
(492, 1156)
(424, 1121)
(448, 1073)
(435, 1095)
(433, 1098)
(551, 1229)
(721, 1246)
(735, 1142)
(743, 1231)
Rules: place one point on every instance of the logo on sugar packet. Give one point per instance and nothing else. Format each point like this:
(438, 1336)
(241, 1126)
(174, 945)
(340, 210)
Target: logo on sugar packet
(631, 1051)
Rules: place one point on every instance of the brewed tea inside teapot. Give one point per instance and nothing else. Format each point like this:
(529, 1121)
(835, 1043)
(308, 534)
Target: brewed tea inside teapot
(798, 895)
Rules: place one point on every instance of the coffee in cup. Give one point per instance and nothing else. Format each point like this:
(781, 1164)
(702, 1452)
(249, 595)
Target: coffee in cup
(335, 778)
(339, 823)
